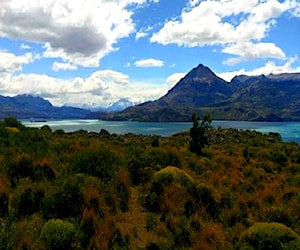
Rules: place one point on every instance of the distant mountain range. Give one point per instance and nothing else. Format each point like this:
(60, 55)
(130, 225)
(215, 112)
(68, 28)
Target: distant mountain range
(249, 98)
(254, 98)
(36, 108)
(31, 107)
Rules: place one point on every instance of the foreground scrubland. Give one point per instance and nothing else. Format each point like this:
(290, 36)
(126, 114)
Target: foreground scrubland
(99, 191)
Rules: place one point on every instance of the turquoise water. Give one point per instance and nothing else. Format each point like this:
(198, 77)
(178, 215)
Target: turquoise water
(290, 131)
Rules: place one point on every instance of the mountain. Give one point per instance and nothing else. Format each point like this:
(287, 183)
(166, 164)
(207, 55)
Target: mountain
(257, 98)
(27, 106)
(119, 105)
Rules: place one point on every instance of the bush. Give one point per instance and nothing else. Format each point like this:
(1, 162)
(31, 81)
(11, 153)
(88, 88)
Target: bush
(101, 162)
(169, 177)
(4, 194)
(58, 234)
(19, 167)
(13, 123)
(3, 235)
(208, 198)
(64, 200)
(269, 236)
(26, 198)
(24, 234)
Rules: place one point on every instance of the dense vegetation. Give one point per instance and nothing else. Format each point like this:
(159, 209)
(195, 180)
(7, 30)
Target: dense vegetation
(98, 191)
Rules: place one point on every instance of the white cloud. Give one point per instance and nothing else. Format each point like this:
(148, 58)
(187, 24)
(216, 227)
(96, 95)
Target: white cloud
(10, 63)
(269, 68)
(57, 66)
(143, 32)
(25, 46)
(174, 78)
(80, 32)
(146, 63)
(231, 23)
(140, 35)
(248, 51)
(101, 88)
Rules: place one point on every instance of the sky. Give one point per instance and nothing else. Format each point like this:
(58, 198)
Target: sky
(91, 53)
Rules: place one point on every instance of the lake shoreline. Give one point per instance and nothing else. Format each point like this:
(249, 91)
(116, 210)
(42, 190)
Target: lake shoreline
(289, 131)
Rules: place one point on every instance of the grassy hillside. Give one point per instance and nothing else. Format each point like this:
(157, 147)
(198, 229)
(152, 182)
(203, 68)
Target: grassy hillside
(98, 191)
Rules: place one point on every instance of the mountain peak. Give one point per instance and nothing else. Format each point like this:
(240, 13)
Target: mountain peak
(201, 73)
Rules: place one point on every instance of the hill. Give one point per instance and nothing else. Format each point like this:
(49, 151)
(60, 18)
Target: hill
(27, 107)
(257, 98)
(85, 190)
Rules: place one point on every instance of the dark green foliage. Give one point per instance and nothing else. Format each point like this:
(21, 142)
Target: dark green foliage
(19, 167)
(3, 204)
(155, 142)
(280, 158)
(101, 189)
(58, 235)
(3, 234)
(269, 236)
(198, 133)
(100, 162)
(64, 200)
(13, 122)
(26, 199)
(278, 215)
(205, 196)
(138, 173)
(118, 241)
(43, 172)
(142, 165)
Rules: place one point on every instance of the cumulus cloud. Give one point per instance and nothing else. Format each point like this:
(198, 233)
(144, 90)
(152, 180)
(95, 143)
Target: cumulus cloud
(100, 89)
(230, 23)
(80, 32)
(269, 68)
(25, 46)
(10, 63)
(174, 78)
(248, 51)
(140, 35)
(57, 66)
(143, 32)
(147, 63)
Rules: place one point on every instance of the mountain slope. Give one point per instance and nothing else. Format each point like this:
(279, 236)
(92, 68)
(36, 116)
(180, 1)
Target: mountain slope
(271, 98)
(27, 106)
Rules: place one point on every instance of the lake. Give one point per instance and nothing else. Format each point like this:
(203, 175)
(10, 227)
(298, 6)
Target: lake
(290, 131)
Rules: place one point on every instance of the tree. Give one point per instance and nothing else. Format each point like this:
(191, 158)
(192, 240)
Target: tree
(13, 122)
(198, 133)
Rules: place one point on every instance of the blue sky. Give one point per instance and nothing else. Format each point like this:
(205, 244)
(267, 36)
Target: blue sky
(91, 53)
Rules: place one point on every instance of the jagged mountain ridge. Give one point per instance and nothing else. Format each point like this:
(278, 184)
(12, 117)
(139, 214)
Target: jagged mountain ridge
(256, 98)
(28, 106)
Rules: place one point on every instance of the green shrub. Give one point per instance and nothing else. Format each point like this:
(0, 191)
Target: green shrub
(152, 221)
(268, 236)
(57, 234)
(279, 215)
(26, 198)
(24, 234)
(166, 177)
(101, 162)
(63, 200)
(207, 197)
(3, 234)
(3, 204)
(137, 169)
(13, 122)
(19, 167)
